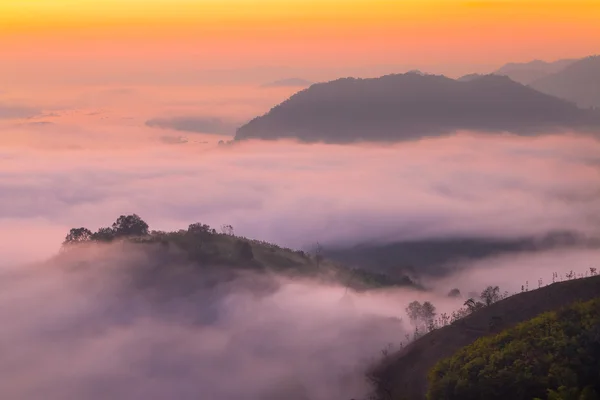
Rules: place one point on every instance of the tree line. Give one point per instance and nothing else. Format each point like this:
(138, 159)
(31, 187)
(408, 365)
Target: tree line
(127, 226)
(424, 317)
(133, 226)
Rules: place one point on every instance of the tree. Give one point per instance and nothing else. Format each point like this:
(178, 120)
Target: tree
(318, 254)
(78, 235)
(428, 314)
(422, 316)
(130, 225)
(198, 229)
(454, 293)
(104, 235)
(490, 295)
(414, 311)
(227, 230)
(473, 305)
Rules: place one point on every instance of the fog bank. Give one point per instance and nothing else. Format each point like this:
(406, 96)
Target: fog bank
(467, 185)
(106, 323)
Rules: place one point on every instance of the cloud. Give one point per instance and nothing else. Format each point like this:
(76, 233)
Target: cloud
(40, 124)
(139, 323)
(8, 111)
(132, 331)
(173, 139)
(512, 272)
(469, 185)
(194, 124)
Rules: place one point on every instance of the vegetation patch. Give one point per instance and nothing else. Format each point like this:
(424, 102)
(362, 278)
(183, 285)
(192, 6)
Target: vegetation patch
(555, 356)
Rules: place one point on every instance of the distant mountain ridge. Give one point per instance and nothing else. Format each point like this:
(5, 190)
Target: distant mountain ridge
(409, 106)
(440, 256)
(579, 82)
(469, 77)
(525, 73)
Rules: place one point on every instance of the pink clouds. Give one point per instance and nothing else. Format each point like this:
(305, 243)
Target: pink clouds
(97, 333)
(294, 194)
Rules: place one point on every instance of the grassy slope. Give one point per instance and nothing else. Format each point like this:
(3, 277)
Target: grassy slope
(404, 374)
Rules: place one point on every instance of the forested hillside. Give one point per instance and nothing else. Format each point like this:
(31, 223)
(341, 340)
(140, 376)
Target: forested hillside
(553, 356)
(404, 374)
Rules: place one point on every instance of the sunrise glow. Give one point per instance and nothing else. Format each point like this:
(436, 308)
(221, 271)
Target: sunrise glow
(324, 32)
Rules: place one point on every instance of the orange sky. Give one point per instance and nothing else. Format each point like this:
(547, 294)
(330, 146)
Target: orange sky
(109, 34)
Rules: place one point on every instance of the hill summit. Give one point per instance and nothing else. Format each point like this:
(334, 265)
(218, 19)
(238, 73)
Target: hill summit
(410, 106)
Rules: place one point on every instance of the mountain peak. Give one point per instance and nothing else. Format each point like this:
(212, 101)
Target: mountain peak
(528, 72)
(410, 106)
(579, 82)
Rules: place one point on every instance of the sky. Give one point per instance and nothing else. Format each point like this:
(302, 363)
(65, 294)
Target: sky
(87, 40)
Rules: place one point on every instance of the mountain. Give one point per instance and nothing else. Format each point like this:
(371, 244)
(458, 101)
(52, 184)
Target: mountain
(469, 77)
(404, 374)
(193, 124)
(411, 106)
(579, 83)
(436, 257)
(290, 82)
(526, 73)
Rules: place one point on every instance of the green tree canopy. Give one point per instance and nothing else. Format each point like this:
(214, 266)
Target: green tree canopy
(555, 356)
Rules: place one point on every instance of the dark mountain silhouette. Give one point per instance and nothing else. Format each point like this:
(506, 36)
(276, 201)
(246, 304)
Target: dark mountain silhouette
(526, 73)
(193, 124)
(469, 77)
(290, 82)
(579, 83)
(411, 106)
(437, 257)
